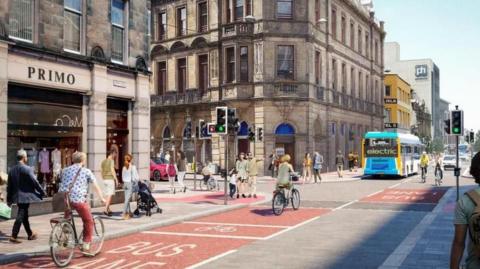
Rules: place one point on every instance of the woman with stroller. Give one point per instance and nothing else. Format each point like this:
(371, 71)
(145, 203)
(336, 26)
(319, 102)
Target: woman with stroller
(130, 177)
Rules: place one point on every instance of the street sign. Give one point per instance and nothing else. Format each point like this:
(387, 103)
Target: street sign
(390, 125)
(390, 101)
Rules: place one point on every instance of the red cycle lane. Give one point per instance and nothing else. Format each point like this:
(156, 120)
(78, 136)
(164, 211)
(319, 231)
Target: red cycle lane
(426, 196)
(186, 244)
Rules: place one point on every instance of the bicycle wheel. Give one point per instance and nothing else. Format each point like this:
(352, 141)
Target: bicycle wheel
(62, 243)
(278, 203)
(98, 236)
(295, 199)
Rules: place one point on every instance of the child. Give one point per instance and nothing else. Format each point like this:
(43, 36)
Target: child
(233, 182)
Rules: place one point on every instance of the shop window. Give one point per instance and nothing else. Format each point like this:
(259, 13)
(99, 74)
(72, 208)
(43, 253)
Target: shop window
(202, 17)
(230, 61)
(162, 26)
(21, 19)
(72, 27)
(284, 9)
(244, 64)
(181, 21)
(117, 130)
(118, 30)
(285, 62)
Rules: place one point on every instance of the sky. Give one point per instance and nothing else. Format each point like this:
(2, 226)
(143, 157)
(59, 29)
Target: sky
(446, 31)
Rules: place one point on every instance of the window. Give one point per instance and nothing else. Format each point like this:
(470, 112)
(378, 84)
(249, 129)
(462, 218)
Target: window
(344, 30)
(387, 90)
(244, 64)
(203, 72)
(367, 43)
(162, 26)
(335, 74)
(360, 85)
(239, 10)
(352, 35)
(285, 62)
(317, 11)
(181, 75)
(352, 82)
(360, 40)
(376, 51)
(181, 21)
(202, 17)
(318, 67)
(72, 26)
(230, 61)
(344, 77)
(162, 78)
(228, 11)
(284, 9)
(118, 29)
(149, 25)
(368, 89)
(21, 20)
(248, 7)
(334, 23)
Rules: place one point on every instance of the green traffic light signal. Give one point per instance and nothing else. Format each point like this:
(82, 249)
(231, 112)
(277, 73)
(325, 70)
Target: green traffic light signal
(456, 130)
(220, 128)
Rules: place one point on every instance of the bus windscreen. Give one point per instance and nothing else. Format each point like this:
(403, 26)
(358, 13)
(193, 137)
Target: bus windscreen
(381, 147)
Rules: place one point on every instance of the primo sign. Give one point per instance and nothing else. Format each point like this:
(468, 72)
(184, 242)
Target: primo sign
(421, 71)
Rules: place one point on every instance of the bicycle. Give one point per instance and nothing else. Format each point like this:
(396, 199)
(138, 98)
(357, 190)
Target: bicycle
(438, 176)
(281, 200)
(64, 238)
(424, 174)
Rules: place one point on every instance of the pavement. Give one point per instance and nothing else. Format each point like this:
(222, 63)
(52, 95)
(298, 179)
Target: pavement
(176, 208)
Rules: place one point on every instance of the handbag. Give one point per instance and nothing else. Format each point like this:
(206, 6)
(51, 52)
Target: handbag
(66, 196)
(5, 211)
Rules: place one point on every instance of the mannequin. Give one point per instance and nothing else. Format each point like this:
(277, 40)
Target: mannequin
(56, 164)
(44, 161)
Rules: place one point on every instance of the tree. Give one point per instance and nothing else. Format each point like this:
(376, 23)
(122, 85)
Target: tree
(437, 145)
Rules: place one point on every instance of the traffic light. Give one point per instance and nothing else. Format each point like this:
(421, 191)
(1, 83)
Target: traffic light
(232, 119)
(472, 137)
(447, 126)
(251, 134)
(259, 134)
(456, 124)
(202, 129)
(211, 128)
(221, 124)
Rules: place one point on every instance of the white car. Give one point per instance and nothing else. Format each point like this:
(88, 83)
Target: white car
(450, 161)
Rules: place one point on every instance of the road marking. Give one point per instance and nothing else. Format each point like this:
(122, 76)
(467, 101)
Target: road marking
(212, 259)
(206, 235)
(290, 228)
(377, 192)
(237, 224)
(344, 205)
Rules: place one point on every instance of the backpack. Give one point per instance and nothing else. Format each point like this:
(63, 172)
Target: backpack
(474, 222)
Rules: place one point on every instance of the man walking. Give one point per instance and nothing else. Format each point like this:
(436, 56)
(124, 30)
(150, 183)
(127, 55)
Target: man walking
(252, 174)
(339, 161)
(23, 189)
(317, 166)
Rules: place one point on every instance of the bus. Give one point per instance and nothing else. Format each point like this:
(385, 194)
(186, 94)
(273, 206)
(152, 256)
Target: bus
(393, 154)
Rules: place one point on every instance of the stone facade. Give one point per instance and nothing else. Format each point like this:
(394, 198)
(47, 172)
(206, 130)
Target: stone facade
(98, 81)
(324, 110)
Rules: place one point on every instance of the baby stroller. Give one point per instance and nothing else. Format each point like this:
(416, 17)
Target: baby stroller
(145, 200)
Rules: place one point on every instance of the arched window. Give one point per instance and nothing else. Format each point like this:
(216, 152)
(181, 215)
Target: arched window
(243, 130)
(285, 129)
(166, 133)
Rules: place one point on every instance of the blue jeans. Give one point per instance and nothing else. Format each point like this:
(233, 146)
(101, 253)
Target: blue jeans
(127, 188)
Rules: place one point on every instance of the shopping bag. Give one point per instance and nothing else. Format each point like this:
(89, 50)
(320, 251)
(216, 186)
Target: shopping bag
(5, 211)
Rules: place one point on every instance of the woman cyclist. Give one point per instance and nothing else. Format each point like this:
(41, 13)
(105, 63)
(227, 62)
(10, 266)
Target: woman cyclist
(284, 171)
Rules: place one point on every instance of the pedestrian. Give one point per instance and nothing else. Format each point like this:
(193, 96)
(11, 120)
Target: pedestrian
(129, 177)
(171, 173)
(252, 174)
(355, 161)
(206, 173)
(307, 168)
(317, 167)
(339, 161)
(23, 189)
(242, 169)
(110, 181)
(272, 165)
(233, 182)
(75, 181)
(465, 220)
(285, 169)
(3, 184)
(181, 169)
(351, 161)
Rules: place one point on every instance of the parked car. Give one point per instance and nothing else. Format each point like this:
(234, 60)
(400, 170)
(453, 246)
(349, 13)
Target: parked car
(450, 161)
(159, 169)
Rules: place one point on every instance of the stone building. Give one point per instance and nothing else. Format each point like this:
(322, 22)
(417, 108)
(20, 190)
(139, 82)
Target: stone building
(74, 77)
(308, 72)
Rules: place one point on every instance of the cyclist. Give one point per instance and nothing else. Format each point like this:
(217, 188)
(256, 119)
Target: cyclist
(424, 160)
(75, 181)
(284, 171)
(439, 166)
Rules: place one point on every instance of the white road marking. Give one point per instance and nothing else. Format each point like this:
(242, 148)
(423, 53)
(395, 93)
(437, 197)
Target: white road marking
(372, 194)
(212, 259)
(344, 205)
(205, 235)
(290, 228)
(236, 224)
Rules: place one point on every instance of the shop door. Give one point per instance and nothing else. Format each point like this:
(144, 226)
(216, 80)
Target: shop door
(243, 145)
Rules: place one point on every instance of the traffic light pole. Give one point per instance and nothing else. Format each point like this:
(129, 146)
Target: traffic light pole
(225, 197)
(457, 169)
